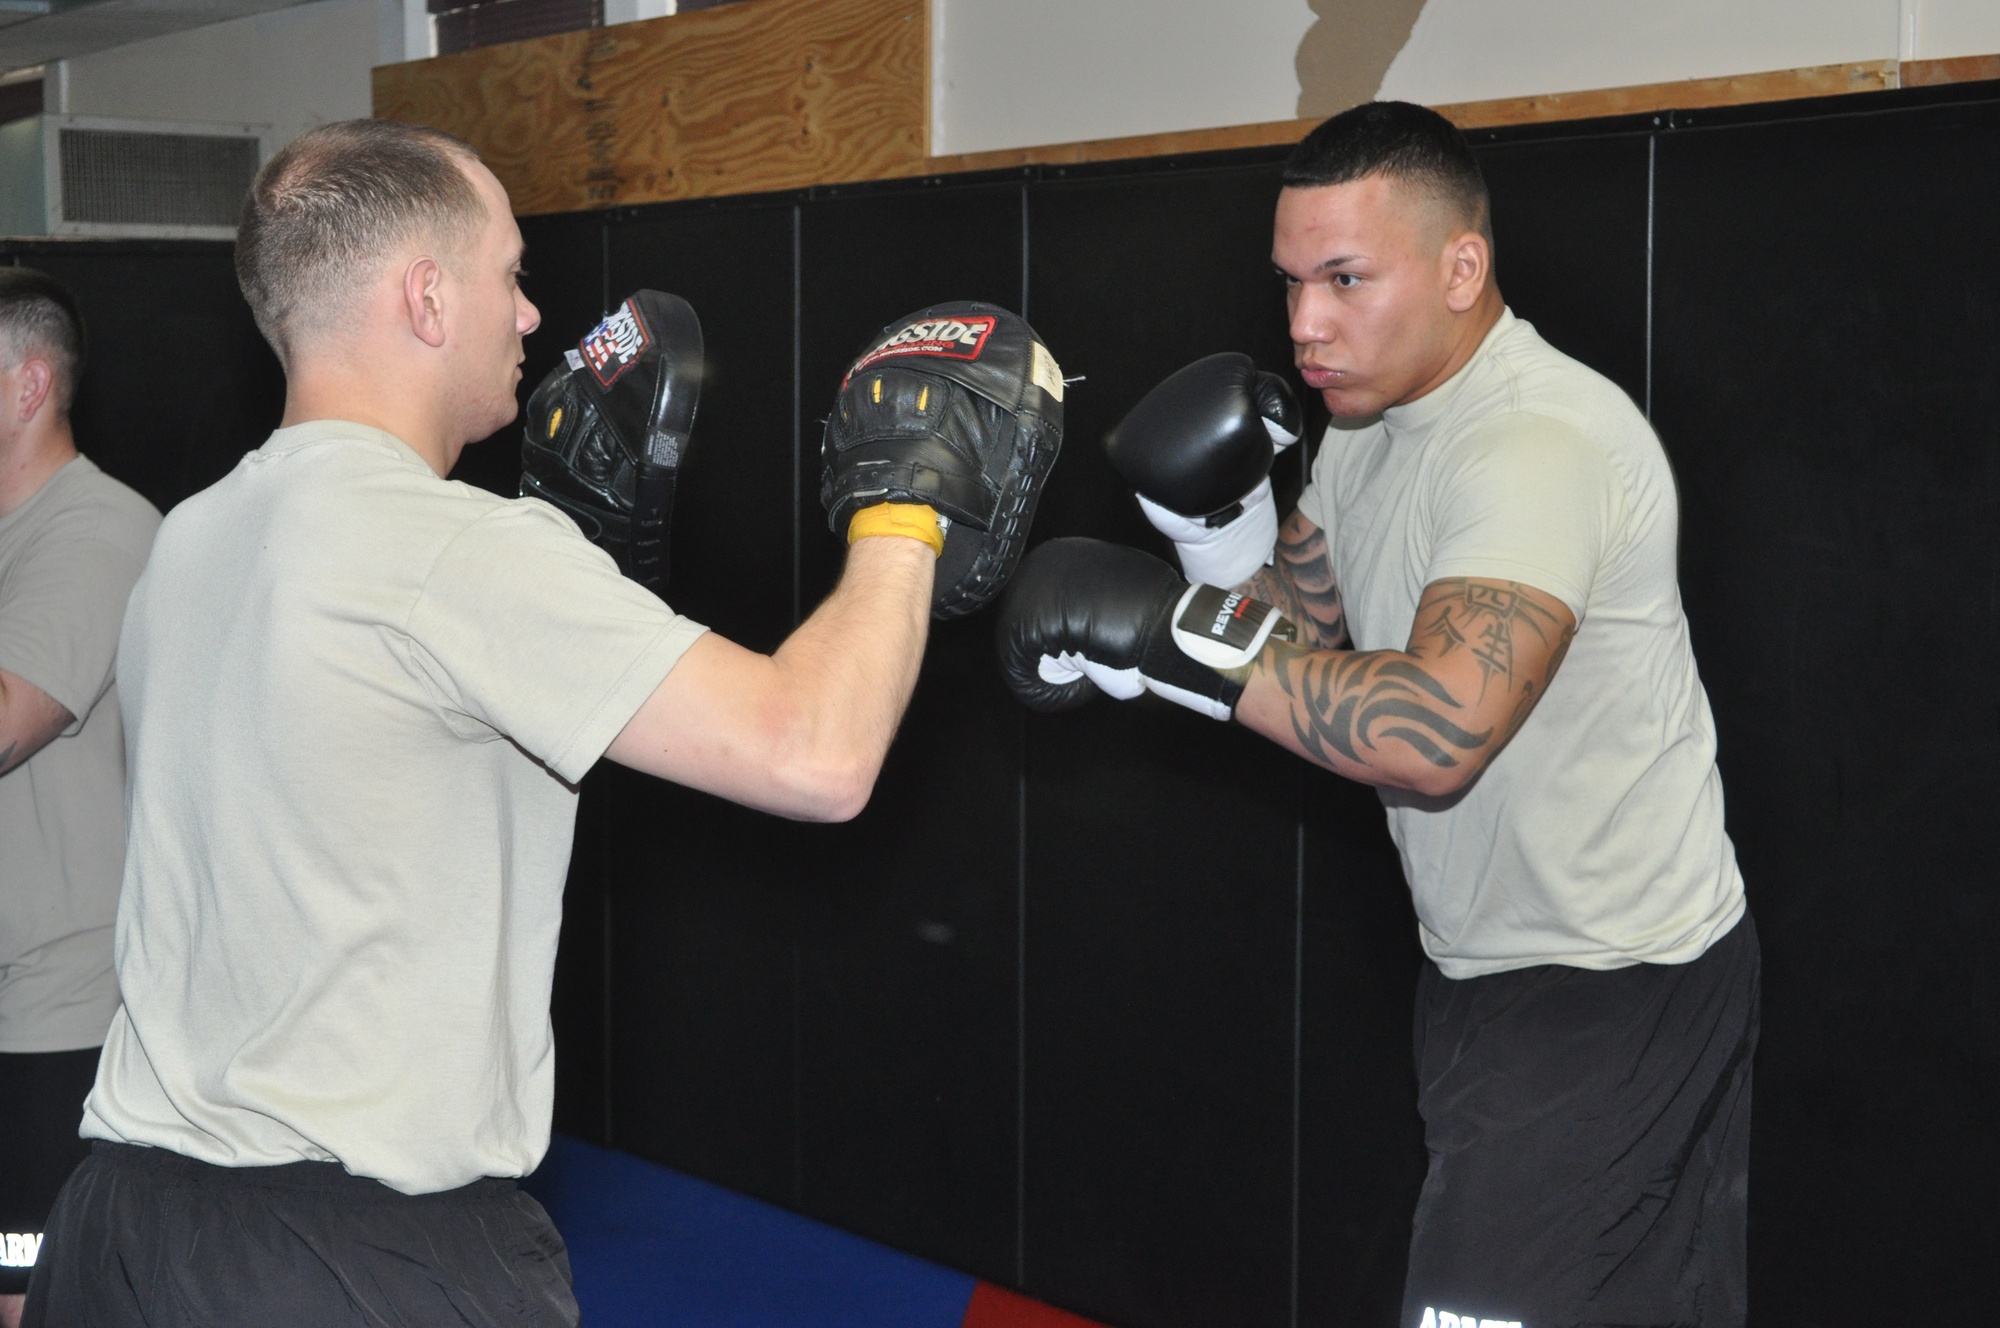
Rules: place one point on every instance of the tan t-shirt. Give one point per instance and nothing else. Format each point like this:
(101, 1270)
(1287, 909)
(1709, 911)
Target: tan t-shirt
(68, 558)
(1595, 839)
(358, 698)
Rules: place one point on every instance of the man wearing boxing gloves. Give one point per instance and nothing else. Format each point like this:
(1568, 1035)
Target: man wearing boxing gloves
(1474, 609)
(359, 698)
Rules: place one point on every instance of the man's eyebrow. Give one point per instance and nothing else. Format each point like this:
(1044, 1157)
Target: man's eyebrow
(1320, 269)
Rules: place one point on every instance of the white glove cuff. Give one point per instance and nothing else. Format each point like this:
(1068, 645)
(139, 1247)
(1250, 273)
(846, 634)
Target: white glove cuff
(1125, 684)
(1201, 705)
(1225, 629)
(1068, 666)
(1225, 555)
(1180, 529)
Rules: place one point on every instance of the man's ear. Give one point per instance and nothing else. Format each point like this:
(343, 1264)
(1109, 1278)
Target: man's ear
(1469, 259)
(38, 381)
(423, 300)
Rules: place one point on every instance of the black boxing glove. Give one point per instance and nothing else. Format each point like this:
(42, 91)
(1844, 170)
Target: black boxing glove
(1198, 450)
(1083, 616)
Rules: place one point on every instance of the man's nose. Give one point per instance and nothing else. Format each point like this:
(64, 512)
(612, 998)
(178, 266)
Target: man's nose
(1312, 322)
(527, 318)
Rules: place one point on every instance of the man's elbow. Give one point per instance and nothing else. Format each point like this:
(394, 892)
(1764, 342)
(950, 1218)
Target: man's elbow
(1434, 780)
(832, 790)
(845, 801)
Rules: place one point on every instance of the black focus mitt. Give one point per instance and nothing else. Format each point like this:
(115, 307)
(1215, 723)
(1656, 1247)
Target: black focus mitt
(958, 406)
(608, 428)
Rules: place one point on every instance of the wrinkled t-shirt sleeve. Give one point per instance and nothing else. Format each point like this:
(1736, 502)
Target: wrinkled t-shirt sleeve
(528, 628)
(1529, 499)
(1313, 499)
(61, 607)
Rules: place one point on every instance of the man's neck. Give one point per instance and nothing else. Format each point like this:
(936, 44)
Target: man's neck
(338, 392)
(1468, 336)
(28, 460)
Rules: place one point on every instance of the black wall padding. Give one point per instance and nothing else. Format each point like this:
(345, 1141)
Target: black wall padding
(909, 916)
(1827, 378)
(178, 384)
(1115, 1006)
(701, 908)
(1161, 847)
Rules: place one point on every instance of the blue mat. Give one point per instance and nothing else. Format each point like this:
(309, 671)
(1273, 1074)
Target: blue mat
(653, 1247)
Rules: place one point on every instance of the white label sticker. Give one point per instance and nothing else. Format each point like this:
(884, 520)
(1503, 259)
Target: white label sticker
(575, 360)
(1045, 372)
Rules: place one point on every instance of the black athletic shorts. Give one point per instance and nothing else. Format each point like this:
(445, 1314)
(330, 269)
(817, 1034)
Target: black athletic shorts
(144, 1236)
(1589, 1138)
(41, 1104)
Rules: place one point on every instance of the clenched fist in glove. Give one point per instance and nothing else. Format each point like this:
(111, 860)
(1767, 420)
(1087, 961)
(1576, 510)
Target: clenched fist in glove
(1198, 450)
(1083, 615)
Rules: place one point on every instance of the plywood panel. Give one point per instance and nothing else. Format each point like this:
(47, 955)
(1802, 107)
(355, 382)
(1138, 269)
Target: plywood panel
(1270, 133)
(1954, 69)
(771, 94)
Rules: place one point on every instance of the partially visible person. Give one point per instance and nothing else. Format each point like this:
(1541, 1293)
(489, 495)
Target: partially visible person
(72, 542)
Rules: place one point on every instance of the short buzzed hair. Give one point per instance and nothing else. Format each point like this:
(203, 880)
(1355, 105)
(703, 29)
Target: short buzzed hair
(1413, 144)
(334, 202)
(38, 316)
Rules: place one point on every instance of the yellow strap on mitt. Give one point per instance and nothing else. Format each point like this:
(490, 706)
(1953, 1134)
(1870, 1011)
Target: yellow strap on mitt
(919, 521)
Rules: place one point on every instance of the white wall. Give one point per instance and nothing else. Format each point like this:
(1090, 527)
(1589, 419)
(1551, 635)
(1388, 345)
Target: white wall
(1944, 28)
(289, 68)
(1471, 50)
(1012, 73)
(631, 11)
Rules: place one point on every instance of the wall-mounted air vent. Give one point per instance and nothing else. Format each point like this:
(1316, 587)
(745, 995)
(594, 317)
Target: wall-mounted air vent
(119, 177)
(86, 175)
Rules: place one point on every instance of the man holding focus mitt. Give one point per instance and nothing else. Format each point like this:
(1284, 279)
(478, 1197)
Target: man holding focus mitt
(1474, 609)
(358, 699)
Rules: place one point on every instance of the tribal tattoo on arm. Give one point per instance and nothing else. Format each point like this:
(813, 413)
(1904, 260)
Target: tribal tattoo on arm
(1300, 584)
(1431, 716)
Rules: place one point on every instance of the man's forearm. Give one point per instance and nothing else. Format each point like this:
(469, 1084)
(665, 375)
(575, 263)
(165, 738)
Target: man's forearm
(853, 663)
(1378, 716)
(800, 733)
(1431, 716)
(1299, 583)
(30, 719)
